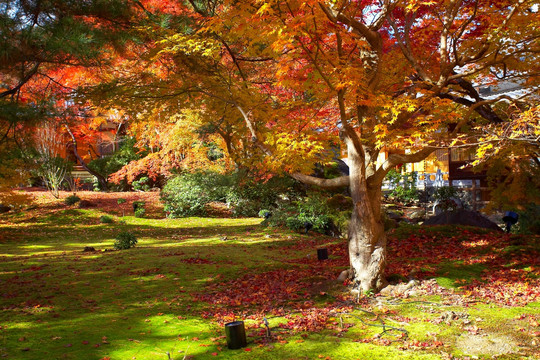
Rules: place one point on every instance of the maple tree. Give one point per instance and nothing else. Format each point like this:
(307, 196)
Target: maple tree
(46, 46)
(280, 85)
(52, 168)
(511, 151)
(290, 80)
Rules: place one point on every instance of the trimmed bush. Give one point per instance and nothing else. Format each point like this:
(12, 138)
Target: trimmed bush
(188, 194)
(138, 204)
(403, 186)
(142, 184)
(294, 223)
(138, 208)
(312, 210)
(105, 219)
(72, 199)
(140, 212)
(125, 240)
(445, 195)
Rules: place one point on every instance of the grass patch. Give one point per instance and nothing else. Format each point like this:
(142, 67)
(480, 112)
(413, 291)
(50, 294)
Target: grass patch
(170, 295)
(455, 274)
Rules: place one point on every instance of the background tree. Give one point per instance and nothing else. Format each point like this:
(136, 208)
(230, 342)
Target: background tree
(510, 152)
(40, 42)
(52, 168)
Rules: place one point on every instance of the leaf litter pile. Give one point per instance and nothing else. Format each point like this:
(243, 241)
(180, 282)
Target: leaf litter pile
(444, 282)
(304, 297)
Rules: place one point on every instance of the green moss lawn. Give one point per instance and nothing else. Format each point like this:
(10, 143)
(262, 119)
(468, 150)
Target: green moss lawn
(476, 294)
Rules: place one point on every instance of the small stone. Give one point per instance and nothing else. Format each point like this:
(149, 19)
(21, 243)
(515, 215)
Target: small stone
(417, 215)
(412, 284)
(344, 275)
(387, 291)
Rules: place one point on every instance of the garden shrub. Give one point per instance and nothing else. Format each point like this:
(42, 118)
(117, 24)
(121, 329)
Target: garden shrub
(138, 204)
(280, 214)
(315, 210)
(403, 186)
(139, 208)
(125, 240)
(312, 210)
(246, 201)
(294, 223)
(445, 195)
(140, 212)
(528, 221)
(188, 194)
(72, 199)
(247, 197)
(142, 184)
(105, 219)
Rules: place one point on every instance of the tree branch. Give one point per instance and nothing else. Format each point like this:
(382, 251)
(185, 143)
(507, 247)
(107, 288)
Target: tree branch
(487, 42)
(370, 35)
(405, 47)
(483, 110)
(338, 182)
(397, 159)
(23, 81)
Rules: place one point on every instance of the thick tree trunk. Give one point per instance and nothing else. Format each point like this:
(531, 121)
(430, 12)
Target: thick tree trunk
(367, 239)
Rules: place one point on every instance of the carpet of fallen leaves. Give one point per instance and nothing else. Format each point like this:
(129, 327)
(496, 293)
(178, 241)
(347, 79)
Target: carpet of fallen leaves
(512, 265)
(107, 202)
(299, 293)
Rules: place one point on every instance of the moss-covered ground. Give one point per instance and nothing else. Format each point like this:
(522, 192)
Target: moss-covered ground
(170, 296)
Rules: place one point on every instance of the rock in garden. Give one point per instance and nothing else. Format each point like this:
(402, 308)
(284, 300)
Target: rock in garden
(394, 215)
(417, 215)
(343, 276)
(462, 217)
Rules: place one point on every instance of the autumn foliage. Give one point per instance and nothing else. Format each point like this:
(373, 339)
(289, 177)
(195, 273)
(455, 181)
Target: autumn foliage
(283, 86)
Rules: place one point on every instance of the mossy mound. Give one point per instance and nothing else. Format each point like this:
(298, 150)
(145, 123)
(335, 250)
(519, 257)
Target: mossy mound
(462, 217)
